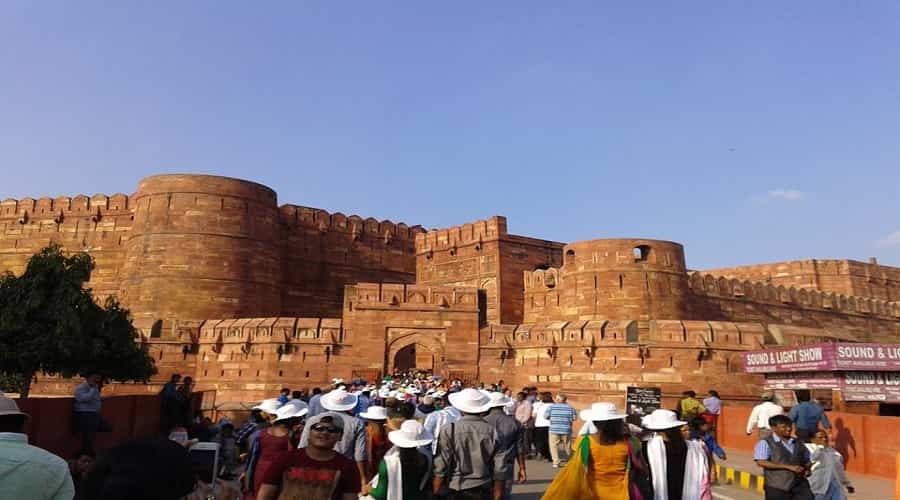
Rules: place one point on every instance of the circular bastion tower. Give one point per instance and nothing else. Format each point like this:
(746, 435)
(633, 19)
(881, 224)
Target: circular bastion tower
(625, 279)
(202, 247)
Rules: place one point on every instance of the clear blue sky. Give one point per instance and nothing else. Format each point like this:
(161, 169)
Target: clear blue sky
(748, 131)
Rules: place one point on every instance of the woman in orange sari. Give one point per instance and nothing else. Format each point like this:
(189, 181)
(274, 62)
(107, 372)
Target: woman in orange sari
(607, 463)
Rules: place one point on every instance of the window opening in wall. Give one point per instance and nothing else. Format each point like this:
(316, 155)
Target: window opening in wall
(595, 282)
(280, 373)
(240, 372)
(222, 374)
(156, 329)
(482, 307)
(257, 373)
(204, 372)
(641, 252)
(307, 374)
(621, 281)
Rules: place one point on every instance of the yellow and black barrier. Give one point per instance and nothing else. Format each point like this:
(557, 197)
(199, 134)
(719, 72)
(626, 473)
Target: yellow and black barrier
(746, 480)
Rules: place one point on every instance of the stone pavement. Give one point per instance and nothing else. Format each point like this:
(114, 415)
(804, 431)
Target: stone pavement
(540, 475)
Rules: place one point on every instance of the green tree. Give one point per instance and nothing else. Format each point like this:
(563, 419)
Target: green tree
(49, 322)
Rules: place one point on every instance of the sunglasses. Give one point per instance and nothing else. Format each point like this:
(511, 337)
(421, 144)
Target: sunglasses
(326, 428)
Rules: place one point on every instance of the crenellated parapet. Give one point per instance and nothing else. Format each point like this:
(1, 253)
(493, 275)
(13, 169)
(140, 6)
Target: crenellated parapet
(400, 296)
(356, 227)
(473, 233)
(733, 289)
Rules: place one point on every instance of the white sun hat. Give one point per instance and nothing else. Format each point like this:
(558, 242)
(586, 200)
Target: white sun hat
(661, 420)
(601, 412)
(499, 399)
(410, 435)
(470, 401)
(269, 406)
(290, 411)
(339, 400)
(375, 413)
(298, 403)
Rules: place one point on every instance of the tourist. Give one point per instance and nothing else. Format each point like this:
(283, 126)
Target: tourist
(271, 444)
(254, 421)
(184, 401)
(700, 430)
(762, 414)
(86, 415)
(666, 453)
(827, 479)
(785, 462)
(405, 471)
(315, 472)
(79, 466)
(542, 426)
(169, 402)
(468, 460)
(362, 402)
(807, 416)
(561, 415)
(376, 435)
(612, 461)
(26, 471)
(353, 442)
(690, 407)
(269, 412)
(698, 468)
(426, 406)
(522, 412)
(509, 432)
(284, 396)
(315, 405)
(156, 469)
(227, 447)
(437, 420)
(713, 405)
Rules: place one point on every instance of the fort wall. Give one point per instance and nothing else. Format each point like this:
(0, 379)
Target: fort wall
(847, 277)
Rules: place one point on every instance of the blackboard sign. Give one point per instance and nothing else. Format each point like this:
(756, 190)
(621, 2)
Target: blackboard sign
(641, 401)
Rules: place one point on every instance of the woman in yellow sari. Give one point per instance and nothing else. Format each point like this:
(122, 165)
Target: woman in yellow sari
(607, 464)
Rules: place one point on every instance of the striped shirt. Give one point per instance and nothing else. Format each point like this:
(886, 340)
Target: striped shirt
(561, 417)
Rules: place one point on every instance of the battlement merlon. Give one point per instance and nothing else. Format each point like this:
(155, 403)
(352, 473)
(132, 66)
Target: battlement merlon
(467, 234)
(404, 296)
(324, 221)
(49, 208)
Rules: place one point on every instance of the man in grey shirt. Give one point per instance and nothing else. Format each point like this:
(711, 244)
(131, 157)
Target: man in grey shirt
(469, 458)
(354, 442)
(87, 412)
(509, 432)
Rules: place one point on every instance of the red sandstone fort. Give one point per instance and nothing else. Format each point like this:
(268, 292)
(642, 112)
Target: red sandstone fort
(248, 296)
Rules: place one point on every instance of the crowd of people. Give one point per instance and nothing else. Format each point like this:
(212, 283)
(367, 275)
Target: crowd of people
(417, 436)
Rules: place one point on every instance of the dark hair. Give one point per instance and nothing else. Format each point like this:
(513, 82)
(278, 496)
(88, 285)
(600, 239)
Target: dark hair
(156, 469)
(714, 393)
(83, 453)
(674, 435)
(803, 395)
(546, 397)
(175, 376)
(12, 423)
(611, 431)
(522, 394)
(690, 394)
(285, 389)
(317, 390)
(697, 423)
(779, 420)
(297, 394)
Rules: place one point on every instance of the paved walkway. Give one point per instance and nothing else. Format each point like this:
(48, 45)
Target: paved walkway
(541, 474)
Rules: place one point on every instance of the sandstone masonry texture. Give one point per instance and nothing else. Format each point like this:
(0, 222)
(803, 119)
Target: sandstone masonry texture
(248, 296)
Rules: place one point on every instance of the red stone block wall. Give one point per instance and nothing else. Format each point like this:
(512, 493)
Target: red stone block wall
(99, 223)
(323, 252)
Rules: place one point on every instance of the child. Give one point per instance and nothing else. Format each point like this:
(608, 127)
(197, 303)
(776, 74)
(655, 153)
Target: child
(700, 430)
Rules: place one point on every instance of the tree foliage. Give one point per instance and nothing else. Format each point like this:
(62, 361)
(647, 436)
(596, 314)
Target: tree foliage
(49, 322)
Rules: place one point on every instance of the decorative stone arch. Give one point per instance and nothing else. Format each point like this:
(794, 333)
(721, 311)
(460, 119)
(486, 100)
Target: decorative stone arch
(427, 342)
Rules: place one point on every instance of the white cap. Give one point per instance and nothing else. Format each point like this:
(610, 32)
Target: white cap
(410, 435)
(339, 400)
(499, 399)
(661, 420)
(290, 411)
(470, 401)
(374, 413)
(269, 406)
(601, 412)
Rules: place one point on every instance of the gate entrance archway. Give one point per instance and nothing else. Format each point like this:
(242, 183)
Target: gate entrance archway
(408, 348)
(414, 356)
